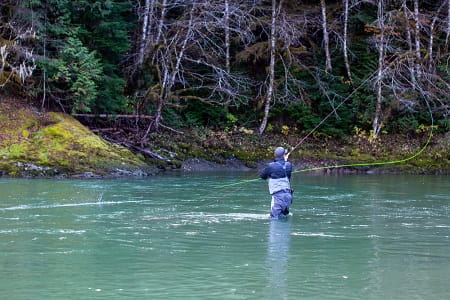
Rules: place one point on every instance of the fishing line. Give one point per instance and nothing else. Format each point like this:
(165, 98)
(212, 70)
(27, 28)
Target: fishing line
(430, 135)
(368, 164)
(318, 125)
(333, 111)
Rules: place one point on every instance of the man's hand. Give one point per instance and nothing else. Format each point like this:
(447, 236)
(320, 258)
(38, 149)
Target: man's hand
(286, 156)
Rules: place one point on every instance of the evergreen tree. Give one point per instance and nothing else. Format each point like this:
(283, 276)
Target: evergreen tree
(100, 31)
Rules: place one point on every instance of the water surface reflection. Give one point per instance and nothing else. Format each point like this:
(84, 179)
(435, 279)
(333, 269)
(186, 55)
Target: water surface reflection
(278, 258)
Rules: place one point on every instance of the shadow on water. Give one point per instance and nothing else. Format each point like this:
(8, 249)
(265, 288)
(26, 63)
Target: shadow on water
(278, 252)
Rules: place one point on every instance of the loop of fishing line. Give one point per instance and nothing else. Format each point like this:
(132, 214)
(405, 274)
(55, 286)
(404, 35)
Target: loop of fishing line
(368, 164)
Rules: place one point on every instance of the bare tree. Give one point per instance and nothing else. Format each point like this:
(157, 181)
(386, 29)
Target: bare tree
(417, 37)
(404, 78)
(410, 59)
(271, 75)
(377, 121)
(345, 41)
(448, 24)
(226, 22)
(170, 69)
(326, 39)
(144, 32)
(152, 20)
(16, 60)
(191, 49)
(435, 20)
(189, 52)
(218, 24)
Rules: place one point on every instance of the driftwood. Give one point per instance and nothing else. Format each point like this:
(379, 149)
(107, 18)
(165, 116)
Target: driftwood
(124, 129)
(150, 153)
(170, 129)
(124, 117)
(143, 151)
(113, 116)
(103, 129)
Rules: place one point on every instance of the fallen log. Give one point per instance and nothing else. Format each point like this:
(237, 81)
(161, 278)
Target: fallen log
(139, 149)
(103, 129)
(150, 153)
(113, 116)
(106, 116)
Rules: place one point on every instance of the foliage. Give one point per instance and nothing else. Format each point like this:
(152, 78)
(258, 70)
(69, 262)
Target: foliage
(78, 70)
(198, 113)
(86, 54)
(99, 31)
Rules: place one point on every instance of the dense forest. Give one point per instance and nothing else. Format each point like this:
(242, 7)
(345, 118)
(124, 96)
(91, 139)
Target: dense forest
(375, 65)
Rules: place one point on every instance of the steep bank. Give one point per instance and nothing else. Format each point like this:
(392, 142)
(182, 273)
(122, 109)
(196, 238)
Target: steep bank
(34, 144)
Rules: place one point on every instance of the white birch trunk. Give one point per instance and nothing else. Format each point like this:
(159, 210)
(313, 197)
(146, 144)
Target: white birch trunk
(408, 27)
(143, 43)
(377, 123)
(169, 81)
(270, 89)
(448, 23)
(326, 40)
(417, 37)
(430, 45)
(412, 69)
(431, 42)
(227, 36)
(345, 46)
(161, 21)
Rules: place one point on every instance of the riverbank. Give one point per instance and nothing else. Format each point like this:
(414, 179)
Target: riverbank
(240, 151)
(35, 144)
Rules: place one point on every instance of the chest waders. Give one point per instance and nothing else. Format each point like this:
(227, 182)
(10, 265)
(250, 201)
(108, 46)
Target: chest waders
(281, 199)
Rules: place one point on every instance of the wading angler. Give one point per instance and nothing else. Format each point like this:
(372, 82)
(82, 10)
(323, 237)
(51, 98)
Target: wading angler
(278, 174)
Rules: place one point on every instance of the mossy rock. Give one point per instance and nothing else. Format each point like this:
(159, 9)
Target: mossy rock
(58, 142)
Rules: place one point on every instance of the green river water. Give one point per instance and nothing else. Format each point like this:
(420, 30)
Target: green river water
(176, 236)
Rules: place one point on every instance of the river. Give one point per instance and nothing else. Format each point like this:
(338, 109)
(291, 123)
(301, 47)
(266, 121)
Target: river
(177, 236)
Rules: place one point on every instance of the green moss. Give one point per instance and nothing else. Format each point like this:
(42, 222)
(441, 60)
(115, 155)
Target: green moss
(57, 132)
(43, 159)
(17, 151)
(58, 140)
(355, 153)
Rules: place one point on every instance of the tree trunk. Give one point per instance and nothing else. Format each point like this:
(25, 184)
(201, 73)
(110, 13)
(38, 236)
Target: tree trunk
(411, 66)
(345, 46)
(326, 39)
(377, 121)
(144, 34)
(430, 45)
(161, 21)
(448, 24)
(227, 36)
(272, 48)
(417, 37)
(169, 80)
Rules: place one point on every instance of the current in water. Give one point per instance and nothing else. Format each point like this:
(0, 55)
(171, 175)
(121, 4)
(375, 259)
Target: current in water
(178, 237)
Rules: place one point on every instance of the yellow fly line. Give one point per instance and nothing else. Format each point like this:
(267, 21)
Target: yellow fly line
(368, 164)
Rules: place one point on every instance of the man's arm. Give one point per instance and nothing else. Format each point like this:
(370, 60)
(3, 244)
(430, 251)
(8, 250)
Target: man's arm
(265, 173)
(288, 169)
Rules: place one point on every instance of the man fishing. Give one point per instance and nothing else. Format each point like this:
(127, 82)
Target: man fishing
(279, 174)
